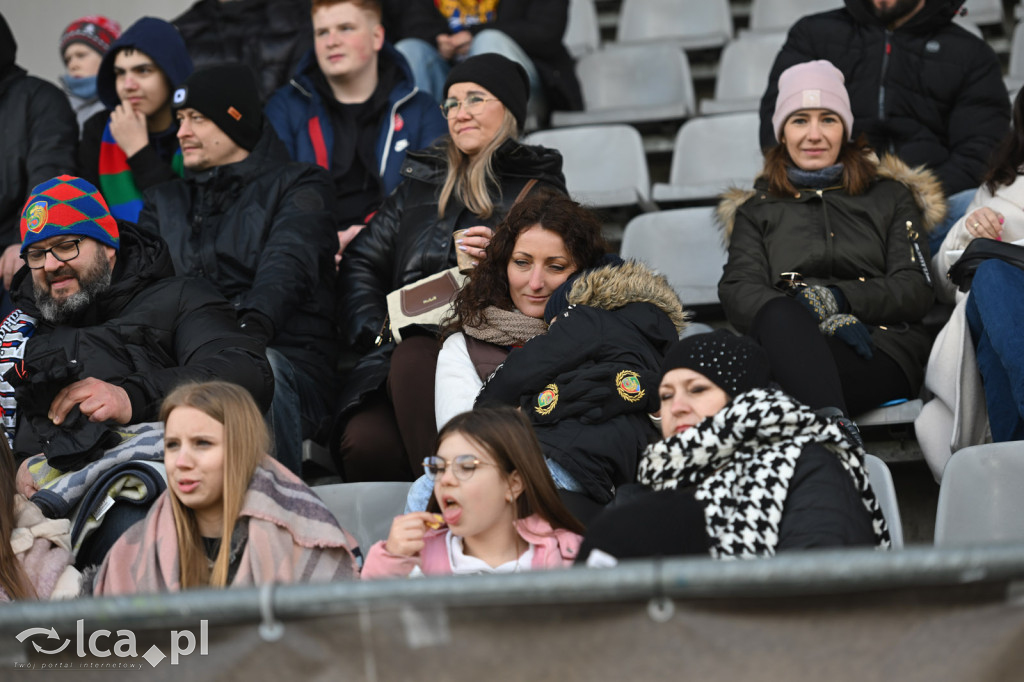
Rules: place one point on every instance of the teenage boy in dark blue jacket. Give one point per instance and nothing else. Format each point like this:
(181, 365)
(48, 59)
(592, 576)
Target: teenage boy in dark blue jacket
(353, 109)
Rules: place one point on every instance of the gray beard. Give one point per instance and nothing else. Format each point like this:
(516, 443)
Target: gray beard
(57, 312)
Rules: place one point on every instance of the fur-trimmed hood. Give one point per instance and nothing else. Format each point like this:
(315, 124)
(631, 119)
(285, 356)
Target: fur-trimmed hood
(921, 182)
(613, 286)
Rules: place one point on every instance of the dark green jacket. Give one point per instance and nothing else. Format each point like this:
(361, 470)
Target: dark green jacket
(861, 244)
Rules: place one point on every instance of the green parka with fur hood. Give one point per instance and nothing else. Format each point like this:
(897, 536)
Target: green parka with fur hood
(863, 244)
(589, 383)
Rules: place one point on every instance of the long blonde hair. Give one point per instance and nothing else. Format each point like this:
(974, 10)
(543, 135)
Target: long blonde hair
(469, 177)
(13, 579)
(246, 441)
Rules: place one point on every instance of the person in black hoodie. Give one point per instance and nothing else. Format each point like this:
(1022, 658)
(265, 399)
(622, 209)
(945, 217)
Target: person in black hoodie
(39, 141)
(132, 146)
(921, 87)
(260, 228)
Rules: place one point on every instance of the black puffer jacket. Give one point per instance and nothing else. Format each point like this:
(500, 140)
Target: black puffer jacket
(148, 333)
(537, 26)
(262, 232)
(39, 138)
(406, 241)
(861, 244)
(590, 382)
(269, 35)
(930, 92)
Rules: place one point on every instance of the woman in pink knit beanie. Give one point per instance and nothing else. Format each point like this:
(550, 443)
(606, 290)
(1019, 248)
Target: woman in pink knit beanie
(828, 255)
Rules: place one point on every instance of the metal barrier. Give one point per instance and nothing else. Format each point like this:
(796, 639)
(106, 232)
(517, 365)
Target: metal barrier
(640, 620)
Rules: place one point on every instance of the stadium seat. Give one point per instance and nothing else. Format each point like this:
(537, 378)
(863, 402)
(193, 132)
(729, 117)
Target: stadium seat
(1015, 74)
(685, 245)
(984, 12)
(582, 33)
(743, 73)
(778, 15)
(603, 165)
(712, 153)
(365, 509)
(885, 491)
(688, 24)
(632, 84)
(980, 500)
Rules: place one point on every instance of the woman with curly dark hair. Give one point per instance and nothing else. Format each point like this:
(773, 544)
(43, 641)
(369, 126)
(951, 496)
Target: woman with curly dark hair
(581, 383)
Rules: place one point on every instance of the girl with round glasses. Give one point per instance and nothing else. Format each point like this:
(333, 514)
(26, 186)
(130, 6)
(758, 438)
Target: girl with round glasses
(495, 508)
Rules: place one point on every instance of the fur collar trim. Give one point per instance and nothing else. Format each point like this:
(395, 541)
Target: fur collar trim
(613, 286)
(922, 183)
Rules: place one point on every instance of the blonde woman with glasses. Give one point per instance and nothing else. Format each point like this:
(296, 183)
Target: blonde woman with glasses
(468, 180)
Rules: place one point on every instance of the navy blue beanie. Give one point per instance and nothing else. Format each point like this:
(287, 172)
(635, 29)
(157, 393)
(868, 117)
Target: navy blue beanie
(158, 40)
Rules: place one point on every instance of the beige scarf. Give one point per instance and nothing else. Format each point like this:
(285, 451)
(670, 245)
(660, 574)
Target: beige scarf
(506, 327)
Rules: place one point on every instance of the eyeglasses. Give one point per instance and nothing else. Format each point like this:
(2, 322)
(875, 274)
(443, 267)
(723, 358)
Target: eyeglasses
(62, 251)
(473, 104)
(462, 466)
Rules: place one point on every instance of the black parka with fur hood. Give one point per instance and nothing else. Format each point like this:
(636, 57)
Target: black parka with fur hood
(863, 244)
(589, 383)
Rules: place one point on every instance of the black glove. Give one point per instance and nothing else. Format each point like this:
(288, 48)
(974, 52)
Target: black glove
(850, 330)
(819, 300)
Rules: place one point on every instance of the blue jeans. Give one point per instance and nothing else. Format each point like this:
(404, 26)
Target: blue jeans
(295, 411)
(422, 488)
(995, 310)
(956, 206)
(430, 70)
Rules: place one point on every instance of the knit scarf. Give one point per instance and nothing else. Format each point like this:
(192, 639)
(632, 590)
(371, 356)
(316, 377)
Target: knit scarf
(117, 184)
(507, 327)
(742, 461)
(816, 179)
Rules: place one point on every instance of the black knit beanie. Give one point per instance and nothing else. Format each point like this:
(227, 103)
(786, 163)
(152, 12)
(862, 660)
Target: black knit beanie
(228, 96)
(504, 78)
(736, 364)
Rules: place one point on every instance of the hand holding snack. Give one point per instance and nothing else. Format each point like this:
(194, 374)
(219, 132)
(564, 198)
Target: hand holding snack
(407, 531)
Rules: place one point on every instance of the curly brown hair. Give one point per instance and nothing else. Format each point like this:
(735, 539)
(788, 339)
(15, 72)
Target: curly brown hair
(578, 227)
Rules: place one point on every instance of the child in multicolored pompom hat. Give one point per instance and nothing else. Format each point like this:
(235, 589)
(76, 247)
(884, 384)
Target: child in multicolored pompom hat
(67, 205)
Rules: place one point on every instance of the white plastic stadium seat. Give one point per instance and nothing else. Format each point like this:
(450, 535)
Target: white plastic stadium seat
(743, 73)
(779, 15)
(365, 509)
(603, 165)
(582, 33)
(712, 153)
(632, 84)
(984, 12)
(885, 491)
(688, 24)
(980, 500)
(685, 245)
(1015, 75)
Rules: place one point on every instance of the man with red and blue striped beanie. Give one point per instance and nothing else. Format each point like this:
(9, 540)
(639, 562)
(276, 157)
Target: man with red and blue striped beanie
(102, 331)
